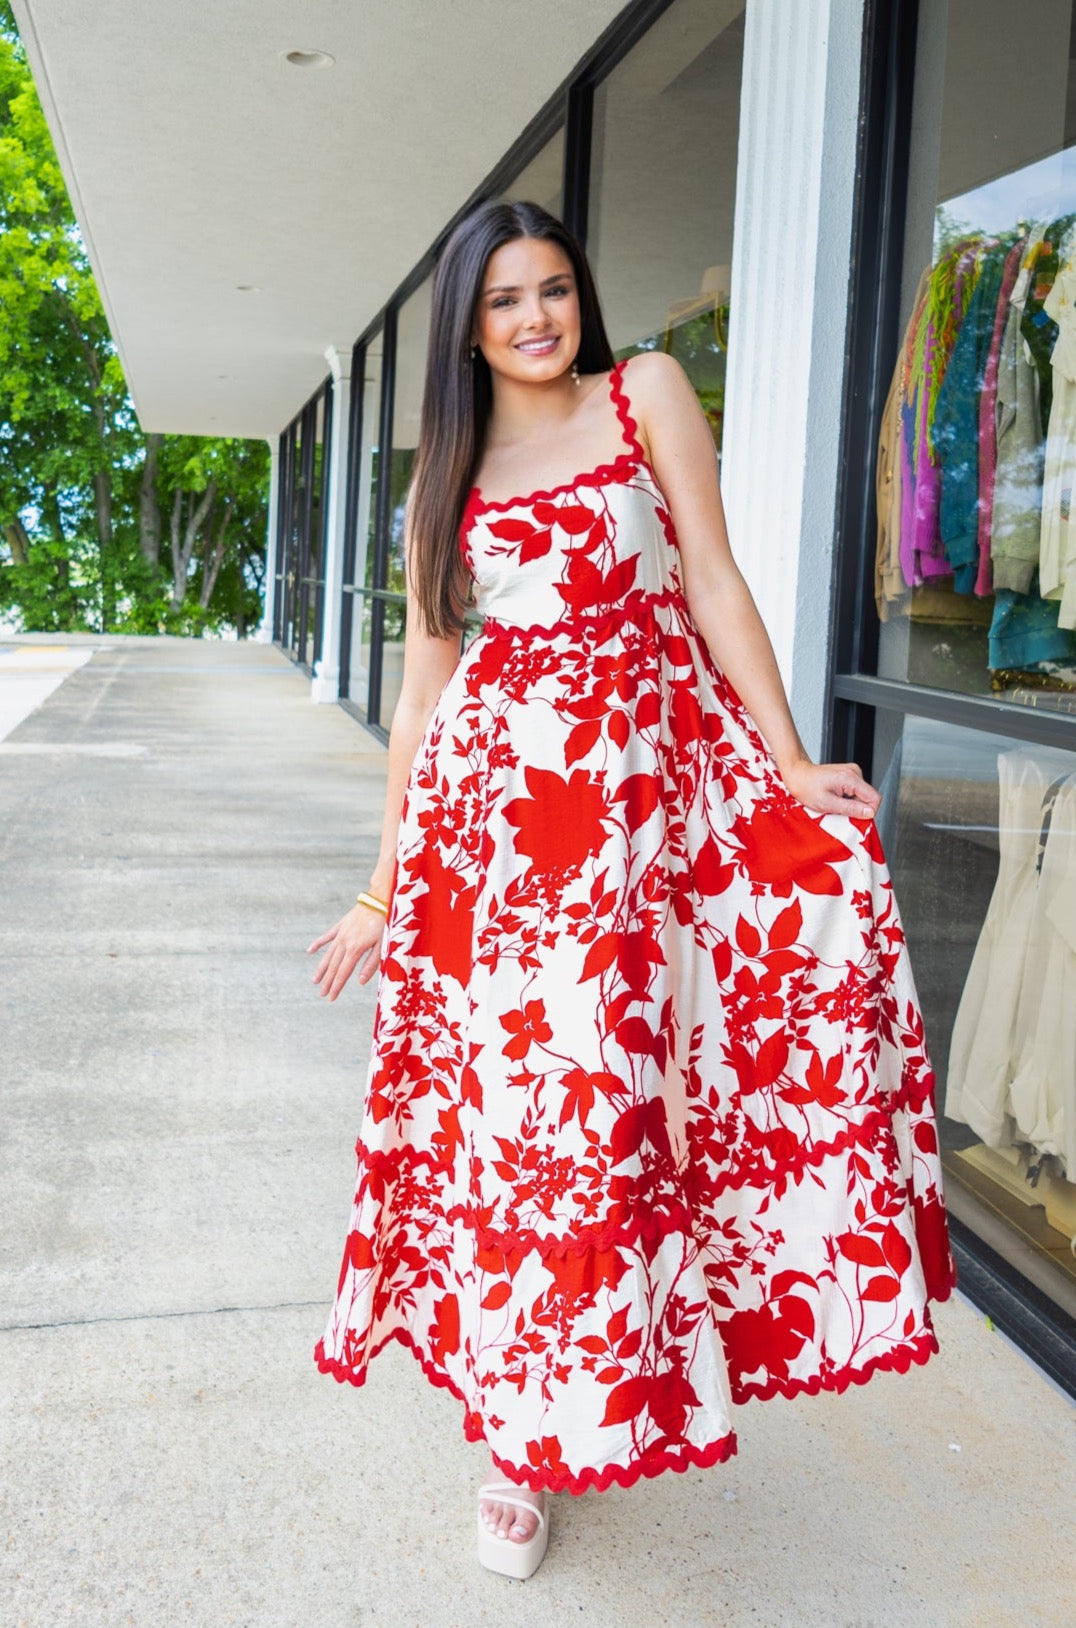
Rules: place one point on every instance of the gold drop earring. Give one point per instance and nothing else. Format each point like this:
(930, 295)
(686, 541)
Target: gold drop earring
(575, 371)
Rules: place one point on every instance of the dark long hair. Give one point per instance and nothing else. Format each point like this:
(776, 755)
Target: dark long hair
(458, 397)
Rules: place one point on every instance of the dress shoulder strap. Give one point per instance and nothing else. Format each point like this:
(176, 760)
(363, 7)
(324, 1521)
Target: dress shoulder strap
(618, 395)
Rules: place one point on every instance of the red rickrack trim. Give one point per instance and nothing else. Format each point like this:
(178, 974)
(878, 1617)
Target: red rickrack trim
(636, 607)
(898, 1360)
(624, 413)
(687, 1457)
(389, 1163)
(759, 1174)
(357, 1377)
(677, 1459)
(602, 475)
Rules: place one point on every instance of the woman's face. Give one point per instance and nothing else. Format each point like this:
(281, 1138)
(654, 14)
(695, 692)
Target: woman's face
(526, 321)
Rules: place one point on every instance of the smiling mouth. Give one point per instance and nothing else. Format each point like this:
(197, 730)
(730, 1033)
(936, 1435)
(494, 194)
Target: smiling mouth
(539, 347)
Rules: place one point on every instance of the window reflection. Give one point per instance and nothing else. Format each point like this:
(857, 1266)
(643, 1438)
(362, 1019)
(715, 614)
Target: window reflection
(542, 180)
(981, 832)
(412, 335)
(392, 652)
(663, 186)
(369, 465)
(359, 656)
(975, 572)
(358, 674)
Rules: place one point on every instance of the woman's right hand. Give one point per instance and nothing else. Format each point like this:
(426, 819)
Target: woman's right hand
(355, 941)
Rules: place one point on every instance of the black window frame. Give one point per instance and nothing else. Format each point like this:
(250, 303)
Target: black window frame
(302, 529)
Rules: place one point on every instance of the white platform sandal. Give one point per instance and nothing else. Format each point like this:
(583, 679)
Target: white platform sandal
(502, 1555)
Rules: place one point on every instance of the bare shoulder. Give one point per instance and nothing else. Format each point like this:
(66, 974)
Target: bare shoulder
(653, 370)
(663, 402)
(653, 377)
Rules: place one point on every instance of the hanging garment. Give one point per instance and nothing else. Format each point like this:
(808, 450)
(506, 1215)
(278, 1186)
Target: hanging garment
(648, 1123)
(894, 483)
(1057, 545)
(914, 493)
(888, 577)
(935, 327)
(1042, 1096)
(1024, 632)
(1037, 327)
(984, 1029)
(956, 424)
(1016, 519)
(988, 420)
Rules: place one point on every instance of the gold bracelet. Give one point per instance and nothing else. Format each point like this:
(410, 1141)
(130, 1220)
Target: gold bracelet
(372, 903)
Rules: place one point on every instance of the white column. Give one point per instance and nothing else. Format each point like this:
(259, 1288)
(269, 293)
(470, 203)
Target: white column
(264, 635)
(789, 306)
(325, 685)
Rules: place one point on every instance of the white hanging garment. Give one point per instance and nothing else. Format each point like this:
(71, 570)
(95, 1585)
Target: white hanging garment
(1057, 542)
(981, 1051)
(1043, 1091)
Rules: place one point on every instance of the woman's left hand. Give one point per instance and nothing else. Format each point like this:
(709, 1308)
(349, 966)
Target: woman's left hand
(832, 788)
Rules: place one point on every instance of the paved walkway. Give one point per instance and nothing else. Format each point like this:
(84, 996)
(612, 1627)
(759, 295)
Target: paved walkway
(179, 1111)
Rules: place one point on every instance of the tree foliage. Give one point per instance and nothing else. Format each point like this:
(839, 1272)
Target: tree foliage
(102, 527)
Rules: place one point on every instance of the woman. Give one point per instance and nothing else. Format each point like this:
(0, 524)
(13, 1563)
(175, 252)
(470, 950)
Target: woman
(648, 1124)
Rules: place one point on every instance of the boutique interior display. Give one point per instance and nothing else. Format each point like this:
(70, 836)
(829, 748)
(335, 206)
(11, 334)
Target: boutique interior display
(1012, 1057)
(977, 463)
(975, 588)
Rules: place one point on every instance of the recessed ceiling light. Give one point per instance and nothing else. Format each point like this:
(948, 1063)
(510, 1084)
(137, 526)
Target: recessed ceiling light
(309, 59)
(247, 288)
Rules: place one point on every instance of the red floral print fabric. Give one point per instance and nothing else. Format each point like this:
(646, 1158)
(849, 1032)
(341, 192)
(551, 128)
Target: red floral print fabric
(648, 1125)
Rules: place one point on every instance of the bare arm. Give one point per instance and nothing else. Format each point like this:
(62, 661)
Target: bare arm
(355, 941)
(428, 665)
(682, 455)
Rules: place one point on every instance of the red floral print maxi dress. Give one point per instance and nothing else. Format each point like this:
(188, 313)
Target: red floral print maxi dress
(648, 1126)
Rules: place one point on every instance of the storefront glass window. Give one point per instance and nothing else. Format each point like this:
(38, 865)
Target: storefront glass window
(980, 831)
(359, 664)
(975, 571)
(365, 477)
(303, 485)
(369, 465)
(974, 583)
(663, 188)
(314, 580)
(412, 334)
(542, 180)
(390, 606)
(392, 651)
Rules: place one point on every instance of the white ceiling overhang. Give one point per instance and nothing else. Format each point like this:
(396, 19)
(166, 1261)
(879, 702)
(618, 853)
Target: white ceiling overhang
(200, 161)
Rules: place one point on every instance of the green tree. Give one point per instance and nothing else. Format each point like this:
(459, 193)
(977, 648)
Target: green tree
(212, 493)
(103, 526)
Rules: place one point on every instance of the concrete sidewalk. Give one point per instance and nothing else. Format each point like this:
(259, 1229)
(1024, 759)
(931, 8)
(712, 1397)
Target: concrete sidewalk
(179, 1111)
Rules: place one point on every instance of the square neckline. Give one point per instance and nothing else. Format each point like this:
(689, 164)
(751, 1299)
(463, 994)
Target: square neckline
(633, 457)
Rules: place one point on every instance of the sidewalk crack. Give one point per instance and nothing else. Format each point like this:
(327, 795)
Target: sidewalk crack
(161, 1316)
